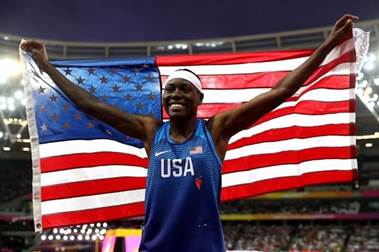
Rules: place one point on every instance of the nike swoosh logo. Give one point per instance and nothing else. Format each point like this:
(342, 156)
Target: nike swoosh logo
(161, 152)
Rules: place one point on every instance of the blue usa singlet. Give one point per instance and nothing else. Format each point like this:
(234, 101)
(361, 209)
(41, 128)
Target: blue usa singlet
(183, 194)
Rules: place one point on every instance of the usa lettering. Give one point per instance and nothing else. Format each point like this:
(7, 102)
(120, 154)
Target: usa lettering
(176, 167)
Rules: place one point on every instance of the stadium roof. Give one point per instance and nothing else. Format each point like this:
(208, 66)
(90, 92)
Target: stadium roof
(127, 21)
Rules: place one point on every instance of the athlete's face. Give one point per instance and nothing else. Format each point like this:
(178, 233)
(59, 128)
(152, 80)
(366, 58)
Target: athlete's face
(181, 99)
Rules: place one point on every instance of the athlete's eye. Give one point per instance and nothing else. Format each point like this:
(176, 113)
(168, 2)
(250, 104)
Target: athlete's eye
(186, 88)
(169, 89)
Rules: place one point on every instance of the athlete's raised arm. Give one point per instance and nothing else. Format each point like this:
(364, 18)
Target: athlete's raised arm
(226, 124)
(141, 127)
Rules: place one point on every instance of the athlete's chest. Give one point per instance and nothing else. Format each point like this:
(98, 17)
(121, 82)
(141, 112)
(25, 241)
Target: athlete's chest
(179, 160)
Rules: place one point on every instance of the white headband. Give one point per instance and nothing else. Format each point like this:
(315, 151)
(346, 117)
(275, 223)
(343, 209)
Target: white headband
(184, 74)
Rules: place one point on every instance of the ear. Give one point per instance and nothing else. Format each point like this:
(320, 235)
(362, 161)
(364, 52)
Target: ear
(201, 95)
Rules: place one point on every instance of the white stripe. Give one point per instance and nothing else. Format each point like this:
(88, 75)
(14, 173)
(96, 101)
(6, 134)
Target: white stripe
(294, 144)
(244, 95)
(93, 201)
(319, 95)
(295, 120)
(246, 68)
(278, 171)
(91, 173)
(88, 146)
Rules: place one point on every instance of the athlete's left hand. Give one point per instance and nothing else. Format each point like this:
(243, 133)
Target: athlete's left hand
(342, 28)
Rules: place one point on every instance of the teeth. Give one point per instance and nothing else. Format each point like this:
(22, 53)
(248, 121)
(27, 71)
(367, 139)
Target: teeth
(176, 106)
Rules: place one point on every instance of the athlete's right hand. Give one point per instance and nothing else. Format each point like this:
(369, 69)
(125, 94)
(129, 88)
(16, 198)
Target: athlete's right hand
(38, 51)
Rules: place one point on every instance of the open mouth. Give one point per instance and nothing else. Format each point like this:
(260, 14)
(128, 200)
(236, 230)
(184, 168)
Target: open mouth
(175, 106)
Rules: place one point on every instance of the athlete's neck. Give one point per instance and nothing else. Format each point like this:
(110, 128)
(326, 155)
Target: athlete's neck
(181, 130)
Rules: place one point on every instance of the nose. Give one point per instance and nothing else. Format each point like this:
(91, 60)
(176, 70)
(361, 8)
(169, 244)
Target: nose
(176, 94)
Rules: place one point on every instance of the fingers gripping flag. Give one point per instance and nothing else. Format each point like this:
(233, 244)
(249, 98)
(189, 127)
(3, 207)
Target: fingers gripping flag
(86, 171)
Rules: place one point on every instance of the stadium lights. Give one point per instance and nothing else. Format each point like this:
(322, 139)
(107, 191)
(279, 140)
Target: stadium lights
(9, 68)
(368, 145)
(371, 57)
(9, 102)
(26, 149)
(19, 94)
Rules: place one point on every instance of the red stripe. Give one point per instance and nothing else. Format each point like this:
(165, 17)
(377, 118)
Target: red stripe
(92, 187)
(322, 70)
(314, 108)
(271, 185)
(264, 80)
(287, 157)
(295, 132)
(302, 107)
(92, 215)
(229, 58)
(58, 163)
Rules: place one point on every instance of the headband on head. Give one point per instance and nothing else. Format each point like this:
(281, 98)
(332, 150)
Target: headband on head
(187, 75)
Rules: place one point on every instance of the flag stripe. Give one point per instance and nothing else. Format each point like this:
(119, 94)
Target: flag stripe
(91, 173)
(294, 144)
(244, 95)
(257, 188)
(287, 157)
(266, 80)
(295, 132)
(230, 58)
(302, 107)
(92, 202)
(92, 187)
(295, 120)
(286, 170)
(88, 146)
(72, 161)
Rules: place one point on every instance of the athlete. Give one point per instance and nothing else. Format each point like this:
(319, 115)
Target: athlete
(185, 154)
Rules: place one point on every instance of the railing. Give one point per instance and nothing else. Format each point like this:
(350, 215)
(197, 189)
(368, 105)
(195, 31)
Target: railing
(308, 38)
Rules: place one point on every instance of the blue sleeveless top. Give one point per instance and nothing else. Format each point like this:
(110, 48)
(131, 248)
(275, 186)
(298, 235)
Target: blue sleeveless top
(182, 198)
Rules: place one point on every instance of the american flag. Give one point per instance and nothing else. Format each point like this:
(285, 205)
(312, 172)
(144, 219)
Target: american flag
(86, 171)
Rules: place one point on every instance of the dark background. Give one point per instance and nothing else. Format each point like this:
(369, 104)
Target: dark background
(154, 20)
